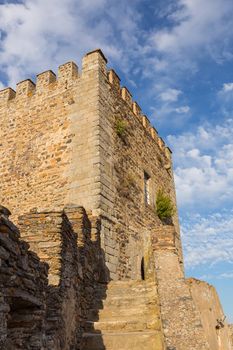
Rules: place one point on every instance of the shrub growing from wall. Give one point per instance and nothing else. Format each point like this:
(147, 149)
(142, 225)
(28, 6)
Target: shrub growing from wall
(164, 206)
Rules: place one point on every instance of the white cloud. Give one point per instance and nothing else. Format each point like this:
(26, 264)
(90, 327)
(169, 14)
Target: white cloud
(208, 240)
(204, 166)
(197, 27)
(41, 34)
(183, 109)
(225, 99)
(228, 275)
(170, 95)
(227, 87)
(192, 33)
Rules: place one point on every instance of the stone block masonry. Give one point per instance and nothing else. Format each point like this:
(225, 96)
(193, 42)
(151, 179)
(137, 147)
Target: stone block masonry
(49, 139)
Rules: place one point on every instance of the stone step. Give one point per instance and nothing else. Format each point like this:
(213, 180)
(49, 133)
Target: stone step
(126, 302)
(149, 340)
(124, 291)
(127, 325)
(124, 316)
(100, 314)
(102, 293)
(129, 285)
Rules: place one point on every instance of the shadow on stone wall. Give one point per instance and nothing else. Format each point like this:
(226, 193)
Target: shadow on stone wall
(23, 284)
(35, 314)
(83, 270)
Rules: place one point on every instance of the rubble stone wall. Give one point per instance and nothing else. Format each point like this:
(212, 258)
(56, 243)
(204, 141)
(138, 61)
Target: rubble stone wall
(23, 285)
(49, 140)
(212, 315)
(43, 309)
(129, 148)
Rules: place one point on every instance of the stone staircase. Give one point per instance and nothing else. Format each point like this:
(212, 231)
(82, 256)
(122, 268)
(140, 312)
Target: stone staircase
(125, 315)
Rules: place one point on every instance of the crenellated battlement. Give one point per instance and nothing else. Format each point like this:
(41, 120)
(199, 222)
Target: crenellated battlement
(44, 79)
(6, 95)
(126, 95)
(68, 74)
(25, 88)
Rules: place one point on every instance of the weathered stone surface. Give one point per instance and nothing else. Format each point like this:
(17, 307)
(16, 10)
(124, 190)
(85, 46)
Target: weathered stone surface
(189, 308)
(43, 309)
(23, 283)
(74, 269)
(125, 315)
(231, 333)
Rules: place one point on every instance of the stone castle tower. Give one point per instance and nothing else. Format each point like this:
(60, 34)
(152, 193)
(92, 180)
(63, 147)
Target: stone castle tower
(80, 170)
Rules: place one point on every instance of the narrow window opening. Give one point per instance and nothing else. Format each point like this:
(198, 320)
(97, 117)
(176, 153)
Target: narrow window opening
(147, 188)
(142, 269)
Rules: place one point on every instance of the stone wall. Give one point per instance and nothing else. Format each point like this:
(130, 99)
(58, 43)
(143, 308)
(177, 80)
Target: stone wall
(231, 333)
(212, 316)
(181, 320)
(125, 158)
(48, 313)
(49, 140)
(70, 242)
(23, 285)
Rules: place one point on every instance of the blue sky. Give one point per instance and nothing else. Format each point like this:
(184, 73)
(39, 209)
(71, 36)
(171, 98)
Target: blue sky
(176, 57)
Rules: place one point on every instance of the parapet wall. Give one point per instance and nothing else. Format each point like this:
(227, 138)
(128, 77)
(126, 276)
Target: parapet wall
(45, 81)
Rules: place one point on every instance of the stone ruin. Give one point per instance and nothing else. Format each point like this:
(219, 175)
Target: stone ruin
(89, 264)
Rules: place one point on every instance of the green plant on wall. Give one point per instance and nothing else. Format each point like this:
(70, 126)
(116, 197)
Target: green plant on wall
(164, 206)
(120, 127)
